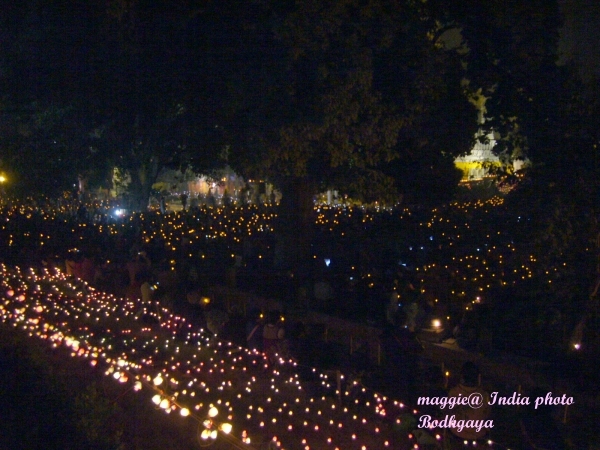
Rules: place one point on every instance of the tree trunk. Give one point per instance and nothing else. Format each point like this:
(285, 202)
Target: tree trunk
(297, 224)
(297, 202)
(142, 179)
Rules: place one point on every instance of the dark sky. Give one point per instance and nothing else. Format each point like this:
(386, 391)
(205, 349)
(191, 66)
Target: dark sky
(580, 36)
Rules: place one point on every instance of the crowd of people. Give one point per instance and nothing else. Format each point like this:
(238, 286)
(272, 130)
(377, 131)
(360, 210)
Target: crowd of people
(444, 265)
(359, 256)
(379, 261)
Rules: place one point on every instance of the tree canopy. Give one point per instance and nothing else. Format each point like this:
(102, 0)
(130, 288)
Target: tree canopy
(349, 95)
(363, 96)
(113, 84)
(547, 112)
(343, 94)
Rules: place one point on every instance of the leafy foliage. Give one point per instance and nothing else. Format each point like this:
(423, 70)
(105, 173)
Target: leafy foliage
(355, 87)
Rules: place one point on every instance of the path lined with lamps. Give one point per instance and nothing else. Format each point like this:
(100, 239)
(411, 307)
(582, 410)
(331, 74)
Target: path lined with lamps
(227, 389)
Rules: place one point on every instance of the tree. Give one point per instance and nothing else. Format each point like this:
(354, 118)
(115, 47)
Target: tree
(345, 89)
(308, 95)
(48, 149)
(45, 135)
(510, 57)
(548, 113)
(97, 83)
(344, 94)
(562, 192)
(149, 101)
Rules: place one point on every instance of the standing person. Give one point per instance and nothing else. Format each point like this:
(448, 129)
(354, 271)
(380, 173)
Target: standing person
(82, 213)
(138, 264)
(254, 330)
(299, 345)
(211, 200)
(183, 198)
(391, 309)
(143, 290)
(273, 335)
(216, 319)
(401, 351)
(88, 267)
(470, 384)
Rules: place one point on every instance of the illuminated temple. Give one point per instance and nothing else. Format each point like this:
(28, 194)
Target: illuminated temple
(475, 165)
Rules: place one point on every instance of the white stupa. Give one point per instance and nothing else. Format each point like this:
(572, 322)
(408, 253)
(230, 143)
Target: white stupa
(475, 164)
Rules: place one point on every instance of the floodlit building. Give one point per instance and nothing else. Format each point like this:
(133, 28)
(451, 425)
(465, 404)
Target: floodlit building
(475, 165)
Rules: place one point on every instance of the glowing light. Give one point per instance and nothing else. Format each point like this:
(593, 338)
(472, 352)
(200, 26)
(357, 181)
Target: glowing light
(126, 347)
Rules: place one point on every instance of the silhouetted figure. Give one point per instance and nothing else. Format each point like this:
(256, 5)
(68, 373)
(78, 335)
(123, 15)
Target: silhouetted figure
(300, 344)
(254, 330)
(539, 428)
(273, 334)
(470, 383)
(401, 353)
(183, 197)
(138, 264)
(163, 204)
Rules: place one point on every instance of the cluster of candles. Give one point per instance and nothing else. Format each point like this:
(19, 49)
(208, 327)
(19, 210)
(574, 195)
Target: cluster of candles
(458, 241)
(190, 372)
(477, 256)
